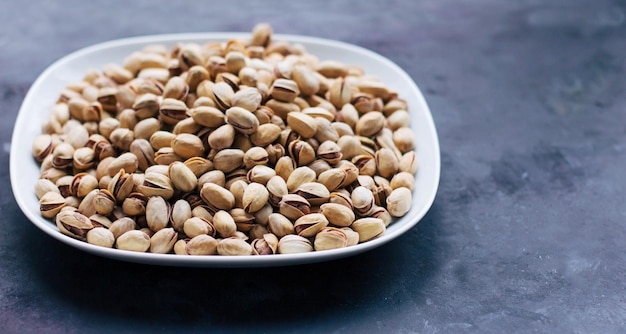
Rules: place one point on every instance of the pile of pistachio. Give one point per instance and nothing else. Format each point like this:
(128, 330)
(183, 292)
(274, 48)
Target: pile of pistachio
(237, 148)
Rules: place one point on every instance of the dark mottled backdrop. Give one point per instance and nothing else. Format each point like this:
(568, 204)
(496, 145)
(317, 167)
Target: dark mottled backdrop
(527, 233)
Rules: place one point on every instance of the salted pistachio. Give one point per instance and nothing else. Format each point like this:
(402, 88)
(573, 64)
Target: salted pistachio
(255, 196)
(404, 140)
(144, 153)
(161, 139)
(306, 80)
(362, 200)
(292, 244)
(262, 216)
(134, 240)
(248, 99)
(51, 204)
(314, 192)
(160, 75)
(180, 247)
(338, 214)
(195, 226)
(235, 61)
(301, 152)
(171, 111)
(121, 138)
(180, 212)
(294, 206)
(146, 106)
(195, 75)
(274, 153)
(368, 228)
(42, 186)
(261, 35)
(42, 146)
(52, 174)
(163, 240)
(325, 130)
(187, 125)
(237, 188)
(333, 178)
(233, 246)
(330, 238)
(227, 160)
(73, 224)
(82, 184)
(187, 145)
(277, 188)
(199, 165)
(189, 55)
(260, 174)
(399, 202)
(394, 105)
(156, 184)
(121, 185)
(166, 155)
(108, 99)
(370, 124)
(217, 197)
(408, 163)
(265, 245)
(224, 224)
(402, 179)
(100, 236)
(366, 164)
(368, 146)
(244, 220)
(207, 116)
(374, 88)
(161, 169)
(222, 95)
(330, 151)
(308, 225)
(176, 88)
(362, 102)
(64, 184)
(222, 137)
(319, 166)
(382, 214)
(384, 139)
(302, 123)
(257, 232)
(332, 69)
(255, 156)
(340, 92)
(350, 146)
(134, 204)
(216, 177)
(242, 120)
(299, 176)
(353, 237)
(63, 156)
(104, 202)
(386, 162)
(319, 112)
(281, 108)
(399, 119)
(157, 213)
(200, 245)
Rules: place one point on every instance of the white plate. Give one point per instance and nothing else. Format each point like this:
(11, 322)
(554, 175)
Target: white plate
(44, 92)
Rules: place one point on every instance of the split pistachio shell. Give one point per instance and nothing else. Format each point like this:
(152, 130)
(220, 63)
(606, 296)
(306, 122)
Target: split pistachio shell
(255, 196)
(163, 241)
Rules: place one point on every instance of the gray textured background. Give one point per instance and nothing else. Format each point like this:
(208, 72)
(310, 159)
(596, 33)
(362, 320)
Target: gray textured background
(527, 233)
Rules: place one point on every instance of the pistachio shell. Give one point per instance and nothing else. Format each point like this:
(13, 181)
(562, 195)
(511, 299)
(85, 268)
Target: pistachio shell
(255, 196)
(134, 240)
(100, 236)
(233, 246)
(330, 238)
(399, 201)
(162, 242)
(338, 214)
(291, 244)
(368, 228)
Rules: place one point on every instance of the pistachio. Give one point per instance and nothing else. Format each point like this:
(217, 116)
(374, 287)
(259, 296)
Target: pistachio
(299, 176)
(42, 146)
(214, 176)
(104, 202)
(277, 188)
(228, 160)
(247, 98)
(195, 75)
(207, 116)
(199, 165)
(217, 197)
(260, 174)
(134, 204)
(402, 179)
(43, 186)
(144, 152)
(362, 200)
(399, 202)
(281, 108)
(366, 164)
(350, 146)
(338, 214)
(166, 155)
(294, 206)
(332, 179)
(224, 224)
(121, 185)
(308, 225)
(302, 123)
(307, 82)
(292, 244)
(223, 95)
(171, 111)
(127, 162)
(223, 137)
(181, 211)
(195, 226)
(353, 237)
(63, 156)
(242, 120)
(261, 35)
(362, 102)
(187, 145)
(244, 220)
(386, 162)
(370, 124)
(398, 119)
(408, 163)
(325, 130)
(82, 184)
(316, 193)
(135, 240)
(368, 228)
(301, 152)
(156, 184)
(330, 151)
(73, 224)
(330, 238)
(265, 245)
(382, 214)
(201, 245)
(100, 236)
(255, 156)
(157, 213)
(340, 92)
(162, 241)
(255, 196)
(233, 246)
(51, 203)
(161, 139)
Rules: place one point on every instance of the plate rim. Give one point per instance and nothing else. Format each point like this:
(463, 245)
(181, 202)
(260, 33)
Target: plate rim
(221, 260)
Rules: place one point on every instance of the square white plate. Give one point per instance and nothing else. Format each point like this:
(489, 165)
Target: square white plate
(44, 92)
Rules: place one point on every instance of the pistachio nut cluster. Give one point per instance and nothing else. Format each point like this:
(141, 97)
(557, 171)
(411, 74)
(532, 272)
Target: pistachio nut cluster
(234, 148)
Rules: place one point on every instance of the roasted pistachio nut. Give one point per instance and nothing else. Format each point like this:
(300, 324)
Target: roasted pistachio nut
(408, 163)
(134, 240)
(330, 238)
(224, 224)
(292, 244)
(217, 197)
(228, 160)
(399, 201)
(51, 203)
(196, 226)
(181, 211)
(255, 196)
(280, 225)
(368, 228)
(122, 225)
(201, 245)
(338, 214)
(314, 192)
(156, 184)
(100, 236)
(73, 224)
(294, 206)
(233, 246)
(265, 245)
(309, 225)
(182, 177)
(43, 186)
(163, 240)
(242, 120)
(302, 123)
(157, 213)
